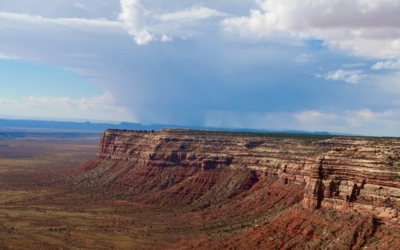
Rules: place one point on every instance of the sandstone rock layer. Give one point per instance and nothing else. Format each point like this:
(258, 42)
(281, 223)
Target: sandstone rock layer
(204, 168)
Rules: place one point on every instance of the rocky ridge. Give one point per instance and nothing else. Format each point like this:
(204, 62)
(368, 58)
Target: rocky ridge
(204, 168)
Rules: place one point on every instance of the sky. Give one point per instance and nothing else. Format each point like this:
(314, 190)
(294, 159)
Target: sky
(317, 65)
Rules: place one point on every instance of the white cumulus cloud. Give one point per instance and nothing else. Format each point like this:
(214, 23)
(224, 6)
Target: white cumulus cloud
(166, 38)
(391, 64)
(190, 14)
(352, 76)
(132, 12)
(82, 24)
(359, 118)
(362, 27)
(62, 107)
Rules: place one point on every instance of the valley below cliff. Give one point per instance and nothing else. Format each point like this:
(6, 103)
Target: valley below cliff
(187, 189)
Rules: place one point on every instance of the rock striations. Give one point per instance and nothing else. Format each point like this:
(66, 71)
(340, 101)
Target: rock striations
(362, 177)
(202, 168)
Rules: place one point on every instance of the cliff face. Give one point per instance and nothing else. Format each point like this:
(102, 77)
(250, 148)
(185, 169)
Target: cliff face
(192, 167)
(204, 168)
(361, 177)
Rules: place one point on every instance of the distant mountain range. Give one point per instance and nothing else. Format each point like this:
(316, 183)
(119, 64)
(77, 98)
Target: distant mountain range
(61, 127)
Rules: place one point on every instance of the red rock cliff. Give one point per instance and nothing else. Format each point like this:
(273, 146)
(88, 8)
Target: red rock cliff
(349, 174)
(362, 177)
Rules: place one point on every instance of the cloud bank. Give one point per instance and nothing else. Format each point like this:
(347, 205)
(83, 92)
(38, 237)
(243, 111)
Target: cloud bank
(218, 63)
(65, 107)
(362, 27)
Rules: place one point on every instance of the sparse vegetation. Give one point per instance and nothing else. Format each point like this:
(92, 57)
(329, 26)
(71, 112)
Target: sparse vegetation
(42, 210)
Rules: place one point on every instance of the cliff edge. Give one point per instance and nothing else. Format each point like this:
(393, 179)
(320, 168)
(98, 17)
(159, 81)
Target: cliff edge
(204, 168)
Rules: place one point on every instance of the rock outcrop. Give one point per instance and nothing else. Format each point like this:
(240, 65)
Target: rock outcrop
(361, 177)
(204, 167)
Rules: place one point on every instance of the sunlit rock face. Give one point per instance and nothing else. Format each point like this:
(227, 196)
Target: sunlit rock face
(363, 177)
(345, 173)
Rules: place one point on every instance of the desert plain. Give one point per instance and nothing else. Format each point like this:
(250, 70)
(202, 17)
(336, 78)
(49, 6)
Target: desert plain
(177, 189)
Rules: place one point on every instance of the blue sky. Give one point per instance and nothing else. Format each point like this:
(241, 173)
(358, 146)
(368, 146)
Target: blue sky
(21, 78)
(265, 64)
